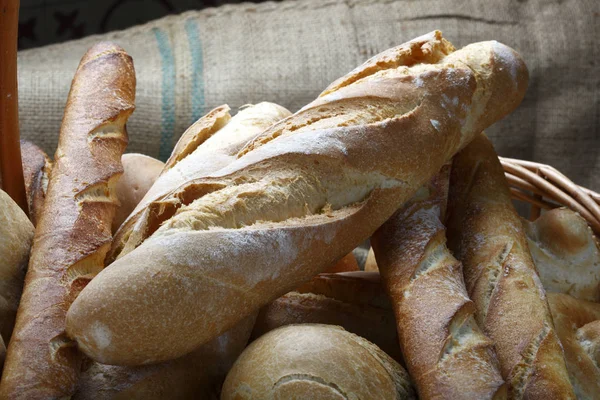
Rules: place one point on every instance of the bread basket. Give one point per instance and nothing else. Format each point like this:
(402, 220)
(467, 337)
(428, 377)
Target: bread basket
(543, 187)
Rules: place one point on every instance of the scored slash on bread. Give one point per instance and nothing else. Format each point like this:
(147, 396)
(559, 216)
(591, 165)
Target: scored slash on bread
(73, 234)
(446, 353)
(209, 144)
(486, 234)
(299, 196)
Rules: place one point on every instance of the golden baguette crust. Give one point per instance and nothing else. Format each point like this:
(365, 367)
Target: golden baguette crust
(73, 233)
(355, 302)
(16, 236)
(36, 170)
(577, 324)
(139, 173)
(199, 374)
(315, 361)
(566, 253)
(208, 145)
(487, 235)
(298, 197)
(446, 353)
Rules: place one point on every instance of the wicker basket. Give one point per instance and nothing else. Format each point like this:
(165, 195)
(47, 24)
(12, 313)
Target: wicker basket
(543, 187)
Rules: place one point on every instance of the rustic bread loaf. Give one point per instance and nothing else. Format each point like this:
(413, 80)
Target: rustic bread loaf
(16, 236)
(198, 375)
(355, 301)
(73, 234)
(298, 197)
(315, 361)
(566, 253)
(486, 234)
(577, 325)
(139, 174)
(443, 346)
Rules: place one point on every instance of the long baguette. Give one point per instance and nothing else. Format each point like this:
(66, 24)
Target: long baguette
(298, 197)
(446, 353)
(73, 235)
(486, 234)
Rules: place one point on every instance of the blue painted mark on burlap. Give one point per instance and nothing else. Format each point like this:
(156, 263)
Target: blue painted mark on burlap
(196, 52)
(168, 93)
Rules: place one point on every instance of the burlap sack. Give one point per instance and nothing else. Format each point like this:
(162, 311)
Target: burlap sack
(288, 52)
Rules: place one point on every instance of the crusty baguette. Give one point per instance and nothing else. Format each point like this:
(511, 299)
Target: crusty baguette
(298, 197)
(139, 173)
(210, 144)
(486, 234)
(36, 171)
(355, 301)
(313, 361)
(443, 346)
(577, 324)
(198, 375)
(73, 234)
(566, 253)
(16, 236)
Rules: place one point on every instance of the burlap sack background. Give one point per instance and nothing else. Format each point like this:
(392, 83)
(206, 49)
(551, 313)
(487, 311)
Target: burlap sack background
(288, 52)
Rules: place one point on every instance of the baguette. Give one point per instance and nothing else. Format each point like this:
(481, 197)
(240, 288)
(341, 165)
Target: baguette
(299, 196)
(314, 361)
(16, 236)
(566, 254)
(354, 301)
(486, 234)
(578, 327)
(73, 234)
(443, 347)
(199, 374)
(139, 174)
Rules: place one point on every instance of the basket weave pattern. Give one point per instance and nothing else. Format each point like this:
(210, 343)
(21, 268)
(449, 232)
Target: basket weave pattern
(544, 187)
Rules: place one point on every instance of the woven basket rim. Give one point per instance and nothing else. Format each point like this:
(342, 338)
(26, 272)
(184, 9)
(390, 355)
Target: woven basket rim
(543, 187)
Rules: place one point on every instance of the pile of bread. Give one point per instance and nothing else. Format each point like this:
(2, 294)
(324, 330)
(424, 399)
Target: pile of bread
(228, 270)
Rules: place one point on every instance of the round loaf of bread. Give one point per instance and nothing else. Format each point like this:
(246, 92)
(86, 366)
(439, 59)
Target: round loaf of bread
(566, 254)
(139, 173)
(16, 235)
(315, 361)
